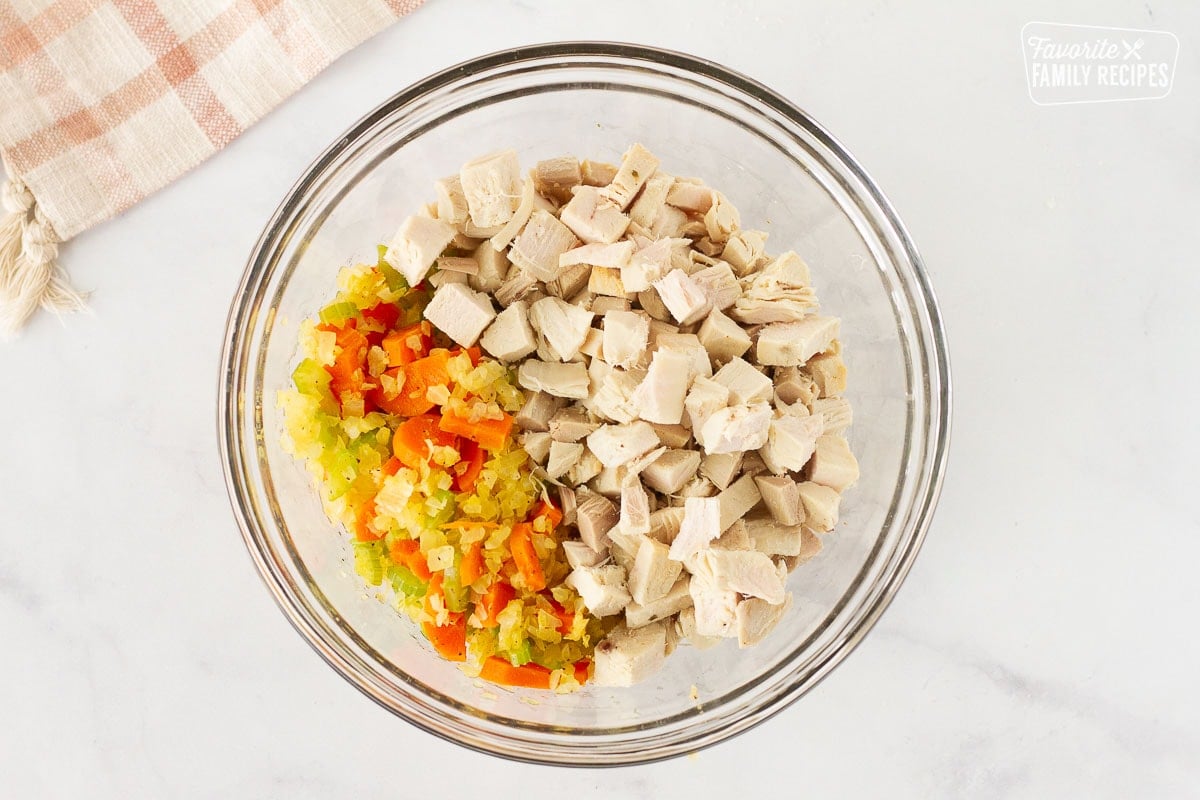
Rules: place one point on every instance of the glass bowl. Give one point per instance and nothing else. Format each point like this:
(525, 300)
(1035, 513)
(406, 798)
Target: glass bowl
(787, 176)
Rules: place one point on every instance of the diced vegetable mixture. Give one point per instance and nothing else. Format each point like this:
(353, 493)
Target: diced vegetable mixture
(574, 419)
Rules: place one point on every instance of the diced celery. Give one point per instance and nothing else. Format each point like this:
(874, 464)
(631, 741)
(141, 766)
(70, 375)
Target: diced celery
(368, 562)
(405, 582)
(310, 377)
(444, 498)
(341, 467)
(395, 281)
(452, 588)
(338, 312)
(522, 654)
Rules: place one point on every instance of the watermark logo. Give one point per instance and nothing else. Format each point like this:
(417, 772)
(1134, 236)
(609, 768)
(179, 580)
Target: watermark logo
(1089, 64)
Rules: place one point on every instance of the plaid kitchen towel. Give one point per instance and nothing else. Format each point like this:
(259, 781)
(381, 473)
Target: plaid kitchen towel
(103, 102)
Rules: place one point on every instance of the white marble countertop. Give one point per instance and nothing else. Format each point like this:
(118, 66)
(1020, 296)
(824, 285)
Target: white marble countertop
(1040, 647)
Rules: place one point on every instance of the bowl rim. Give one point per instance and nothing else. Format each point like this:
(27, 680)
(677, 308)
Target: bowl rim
(229, 396)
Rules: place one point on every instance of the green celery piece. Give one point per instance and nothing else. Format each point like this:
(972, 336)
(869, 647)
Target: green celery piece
(368, 563)
(342, 469)
(522, 655)
(452, 589)
(310, 377)
(405, 582)
(334, 313)
(391, 275)
(447, 513)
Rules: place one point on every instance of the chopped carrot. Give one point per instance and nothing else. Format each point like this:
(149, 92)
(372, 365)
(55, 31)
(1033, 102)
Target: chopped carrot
(520, 542)
(407, 552)
(471, 566)
(449, 640)
(418, 377)
(565, 618)
(347, 372)
(546, 509)
(392, 466)
(528, 676)
(582, 668)
(472, 464)
(412, 439)
(398, 344)
(363, 530)
(384, 314)
(473, 353)
(493, 601)
(490, 434)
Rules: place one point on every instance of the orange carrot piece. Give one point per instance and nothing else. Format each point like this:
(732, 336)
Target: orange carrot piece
(392, 466)
(546, 509)
(410, 440)
(471, 566)
(399, 349)
(493, 601)
(407, 552)
(565, 618)
(490, 434)
(347, 372)
(418, 377)
(582, 668)
(520, 542)
(363, 531)
(528, 676)
(472, 461)
(449, 640)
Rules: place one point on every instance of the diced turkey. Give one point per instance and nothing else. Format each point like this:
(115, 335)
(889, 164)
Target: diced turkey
(781, 496)
(491, 186)
(510, 337)
(791, 441)
(602, 588)
(615, 445)
(756, 618)
(637, 165)
(635, 509)
(734, 502)
(736, 428)
(723, 338)
(821, 505)
(701, 524)
(787, 344)
(562, 325)
(833, 464)
(460, 312)
(560, 380)
(745, 383)
(540, 244)
(660, 395)
(563, 456)
(675, 599)
(596, 515)
(593, 218)
(654, 572)
(670, 471)
(417, 245)
(626, 657)
(683, 297)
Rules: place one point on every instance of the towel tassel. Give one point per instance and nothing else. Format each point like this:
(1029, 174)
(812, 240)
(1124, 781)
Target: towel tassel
(29, 275)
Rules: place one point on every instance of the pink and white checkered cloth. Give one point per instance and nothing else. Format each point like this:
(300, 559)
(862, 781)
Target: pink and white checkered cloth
(103, 102)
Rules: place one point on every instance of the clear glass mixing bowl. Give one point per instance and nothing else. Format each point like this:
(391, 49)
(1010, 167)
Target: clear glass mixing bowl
(788, 176)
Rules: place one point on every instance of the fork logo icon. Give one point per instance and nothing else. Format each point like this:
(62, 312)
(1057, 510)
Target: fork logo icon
(1132, 49)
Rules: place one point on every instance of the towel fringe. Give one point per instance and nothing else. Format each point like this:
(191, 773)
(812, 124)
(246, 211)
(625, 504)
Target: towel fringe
(29, 274)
